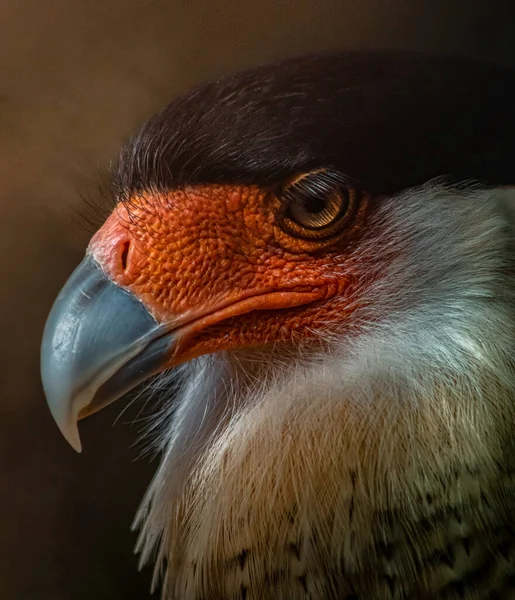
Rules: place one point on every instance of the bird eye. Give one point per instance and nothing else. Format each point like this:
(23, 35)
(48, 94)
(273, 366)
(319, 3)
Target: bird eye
(317, 204)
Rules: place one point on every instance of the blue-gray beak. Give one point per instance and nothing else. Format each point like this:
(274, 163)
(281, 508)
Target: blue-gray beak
(99, 342)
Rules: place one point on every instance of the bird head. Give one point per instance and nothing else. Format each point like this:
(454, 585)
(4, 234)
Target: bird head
(285, 238)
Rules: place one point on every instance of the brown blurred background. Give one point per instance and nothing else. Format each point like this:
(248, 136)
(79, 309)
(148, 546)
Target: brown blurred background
(77, 77)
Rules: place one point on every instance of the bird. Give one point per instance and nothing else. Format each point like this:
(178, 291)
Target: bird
(316, 258)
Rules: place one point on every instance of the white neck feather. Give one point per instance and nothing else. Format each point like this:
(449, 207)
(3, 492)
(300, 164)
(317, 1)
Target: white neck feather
(420, 381)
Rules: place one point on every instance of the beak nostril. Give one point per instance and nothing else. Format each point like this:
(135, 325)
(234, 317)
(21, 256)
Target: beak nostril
(125, 253)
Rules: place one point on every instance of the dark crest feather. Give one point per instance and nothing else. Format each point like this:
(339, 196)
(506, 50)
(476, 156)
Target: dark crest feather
(387, 120)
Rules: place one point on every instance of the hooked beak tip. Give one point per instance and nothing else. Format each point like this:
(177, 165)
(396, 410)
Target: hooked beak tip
(71, 435)
(67, 423)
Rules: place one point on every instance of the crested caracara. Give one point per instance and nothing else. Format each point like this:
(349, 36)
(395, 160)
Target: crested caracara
(320, 255)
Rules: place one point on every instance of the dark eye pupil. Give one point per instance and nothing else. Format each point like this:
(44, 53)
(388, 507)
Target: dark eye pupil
(314, 205)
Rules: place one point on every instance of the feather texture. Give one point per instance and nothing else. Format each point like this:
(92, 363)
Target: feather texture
(378, 466)
(388, 120)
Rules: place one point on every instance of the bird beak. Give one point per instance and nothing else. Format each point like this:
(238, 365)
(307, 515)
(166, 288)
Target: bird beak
(99, 342)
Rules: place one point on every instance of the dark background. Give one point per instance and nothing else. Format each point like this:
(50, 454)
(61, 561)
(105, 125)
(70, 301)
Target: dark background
(76, 78)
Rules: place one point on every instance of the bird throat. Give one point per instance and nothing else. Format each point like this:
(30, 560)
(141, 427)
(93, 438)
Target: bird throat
(310, 492)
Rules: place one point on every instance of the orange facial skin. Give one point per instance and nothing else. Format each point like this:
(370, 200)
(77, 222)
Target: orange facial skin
(213, 263)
